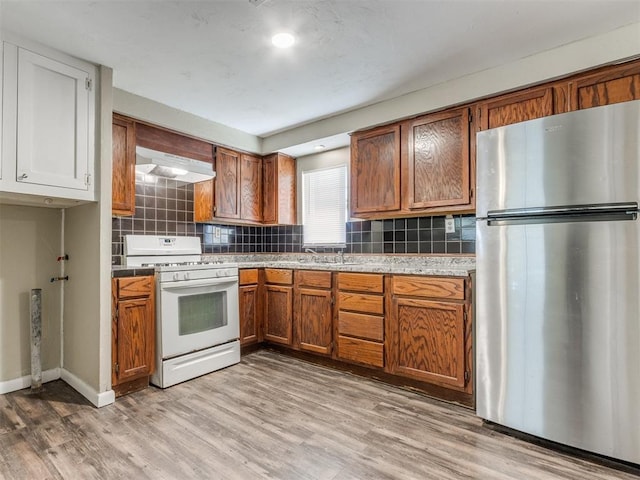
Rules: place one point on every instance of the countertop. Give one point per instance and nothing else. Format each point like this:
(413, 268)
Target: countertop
(443, 265)
(122, 271)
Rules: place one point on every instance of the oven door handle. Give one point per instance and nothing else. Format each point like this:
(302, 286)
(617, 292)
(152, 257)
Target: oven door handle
(207, 282)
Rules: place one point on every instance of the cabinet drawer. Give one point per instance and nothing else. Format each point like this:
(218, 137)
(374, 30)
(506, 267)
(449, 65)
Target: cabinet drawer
(361, 282)
(278, 275)
(248, 276)
(361, 325)
(434, 287)
(361, 351)
(308, 278)
(361, 302)
(132, 287)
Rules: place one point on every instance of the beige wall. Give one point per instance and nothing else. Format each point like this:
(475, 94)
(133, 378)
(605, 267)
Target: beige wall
(581, 55)
(81, 329)
(169, 117)
(607, 48)
(574, 57)
(87, 318)
(29, 247)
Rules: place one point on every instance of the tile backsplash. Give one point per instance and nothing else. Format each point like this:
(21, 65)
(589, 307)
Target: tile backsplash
(165, 207)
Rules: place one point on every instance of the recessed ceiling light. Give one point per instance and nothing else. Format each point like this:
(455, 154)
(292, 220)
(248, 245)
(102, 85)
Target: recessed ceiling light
(283, 40)
(319, 147)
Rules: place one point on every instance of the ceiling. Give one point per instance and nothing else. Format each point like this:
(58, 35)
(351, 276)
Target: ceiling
(214, 58)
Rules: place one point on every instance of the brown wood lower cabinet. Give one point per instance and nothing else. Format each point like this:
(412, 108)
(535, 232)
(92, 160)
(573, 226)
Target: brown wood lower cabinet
(429, 344)
(249, 300)
(278, 306)
(361, 318)
(132, 333)
(313, 306)
(409, 329)
(428, 336)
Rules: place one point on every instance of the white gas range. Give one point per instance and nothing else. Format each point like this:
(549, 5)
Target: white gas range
(197, 311)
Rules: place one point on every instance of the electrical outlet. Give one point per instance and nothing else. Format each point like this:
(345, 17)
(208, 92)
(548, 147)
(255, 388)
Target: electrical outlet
(449, 225)
(216, 232)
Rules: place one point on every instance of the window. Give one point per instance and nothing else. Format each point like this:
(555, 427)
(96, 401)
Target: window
(324, 206)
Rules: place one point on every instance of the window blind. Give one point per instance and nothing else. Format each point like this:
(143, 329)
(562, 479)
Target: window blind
(324, 210)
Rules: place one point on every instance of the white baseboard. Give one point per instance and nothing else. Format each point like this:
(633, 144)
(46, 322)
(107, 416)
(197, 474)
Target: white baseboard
(87, 391)
(98, 399)
(21, 383)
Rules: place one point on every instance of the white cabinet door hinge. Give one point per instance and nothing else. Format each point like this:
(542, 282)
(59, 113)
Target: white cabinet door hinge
(88, 84)
(87, 179)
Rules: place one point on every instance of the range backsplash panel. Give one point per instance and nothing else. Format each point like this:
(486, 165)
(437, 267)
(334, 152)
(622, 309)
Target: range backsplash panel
(165, 207)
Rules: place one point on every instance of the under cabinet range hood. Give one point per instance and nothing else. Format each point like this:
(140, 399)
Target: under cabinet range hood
(167, 165)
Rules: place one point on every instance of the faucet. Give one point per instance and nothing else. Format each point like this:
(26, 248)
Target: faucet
(341, 256)
(310, 250)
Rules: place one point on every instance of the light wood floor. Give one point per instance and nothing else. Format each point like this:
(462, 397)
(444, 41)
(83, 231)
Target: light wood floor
(272, 417)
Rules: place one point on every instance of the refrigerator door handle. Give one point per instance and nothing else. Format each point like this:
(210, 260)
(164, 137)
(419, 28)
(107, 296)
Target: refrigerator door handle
(563, 214)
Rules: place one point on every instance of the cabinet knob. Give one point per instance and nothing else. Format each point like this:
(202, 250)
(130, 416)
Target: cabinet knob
(23, 176)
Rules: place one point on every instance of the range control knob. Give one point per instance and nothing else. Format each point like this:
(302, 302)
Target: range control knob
(176, 276)
(186, 275)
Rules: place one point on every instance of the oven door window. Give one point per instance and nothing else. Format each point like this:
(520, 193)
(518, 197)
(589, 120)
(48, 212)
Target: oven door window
(202, 312)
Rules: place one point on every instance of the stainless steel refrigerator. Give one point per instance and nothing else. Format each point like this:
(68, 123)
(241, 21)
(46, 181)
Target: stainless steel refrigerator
(558, 278)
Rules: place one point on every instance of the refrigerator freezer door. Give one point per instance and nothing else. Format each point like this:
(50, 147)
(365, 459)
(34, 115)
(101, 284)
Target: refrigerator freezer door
(558, 332)
(588, 157)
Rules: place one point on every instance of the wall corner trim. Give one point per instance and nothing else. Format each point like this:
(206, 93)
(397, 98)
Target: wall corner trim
(23, 382)
(87, 391)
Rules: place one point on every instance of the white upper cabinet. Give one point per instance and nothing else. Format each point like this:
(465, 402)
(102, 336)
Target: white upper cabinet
(48, 111)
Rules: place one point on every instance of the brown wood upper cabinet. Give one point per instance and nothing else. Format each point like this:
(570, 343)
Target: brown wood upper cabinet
(612, 85)
(375, 171)
(235, 193)
(438, 165)
(279, 189)
(123, 180)
(167, 141)
(517, 107)
(250, 187)
(227, 183)
(415, 167)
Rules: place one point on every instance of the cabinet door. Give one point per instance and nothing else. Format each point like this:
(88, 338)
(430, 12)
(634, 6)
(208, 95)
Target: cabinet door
(614, 85)
(249, 314)
(518, 107)
(135, 339)
(251, 188)
(54, 136)
(314, 320)
(375, 170)
(438, 160)
(429, 341)
(203, 201)
(270, 189)
(278, 314)
(279, 189)
(123, 178)
(227, 198)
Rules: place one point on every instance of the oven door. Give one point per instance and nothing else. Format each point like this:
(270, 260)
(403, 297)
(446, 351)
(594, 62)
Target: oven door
(197, 314)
